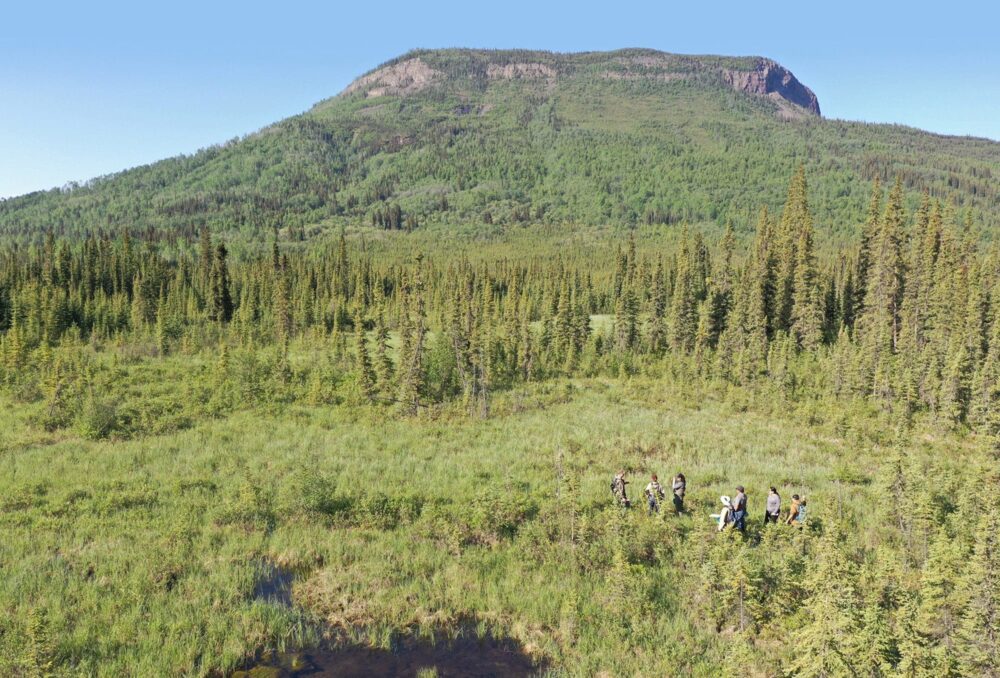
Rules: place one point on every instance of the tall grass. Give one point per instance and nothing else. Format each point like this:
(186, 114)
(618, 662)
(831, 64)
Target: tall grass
(140, 557)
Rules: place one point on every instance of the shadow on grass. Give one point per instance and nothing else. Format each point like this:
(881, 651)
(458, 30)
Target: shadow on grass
(471, 657)
(465, 655)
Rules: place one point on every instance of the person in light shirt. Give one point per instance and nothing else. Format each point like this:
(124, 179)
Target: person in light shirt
(772, 511)
(654, 494)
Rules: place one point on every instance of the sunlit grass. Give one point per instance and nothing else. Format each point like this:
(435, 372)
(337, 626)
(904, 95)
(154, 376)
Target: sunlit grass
(143, 554)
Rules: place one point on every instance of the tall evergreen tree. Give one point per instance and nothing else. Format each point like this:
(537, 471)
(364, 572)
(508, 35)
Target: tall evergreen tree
(683, 319)
(869, 234)
(794, 219)
(824, 643)
(206, 256)
(221, 307)
(879, 322)
(363, 364)
(979, 653)
(806, 312)
(411, 364)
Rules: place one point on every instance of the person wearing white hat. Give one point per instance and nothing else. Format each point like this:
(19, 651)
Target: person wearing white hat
(725, 515)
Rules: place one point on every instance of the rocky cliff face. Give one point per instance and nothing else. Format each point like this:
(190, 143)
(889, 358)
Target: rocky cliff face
(405, 77)
(755, 76)
(771, 79)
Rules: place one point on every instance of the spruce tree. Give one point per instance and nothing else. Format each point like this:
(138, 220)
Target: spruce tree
(985, 408)
(825, 641)
(806, 314)
(363, 364)
(794, 219)
(281, 309)
(343, 269)
(721, 288)
(626, 320)
(683, 319)
(221, 307)
(869, 235)
(411, 368)
(161, 323)
(383, 363)
(658, 310)
(206, 257)
(755, 347)
(937, 615)
(979, 630)
(879, 322)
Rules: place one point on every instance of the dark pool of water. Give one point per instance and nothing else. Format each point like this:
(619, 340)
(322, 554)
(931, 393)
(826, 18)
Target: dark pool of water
(466, 657)
(274, 585)
(463, 658)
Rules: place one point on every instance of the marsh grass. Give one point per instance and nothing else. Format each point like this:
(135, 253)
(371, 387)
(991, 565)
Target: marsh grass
(142, 555)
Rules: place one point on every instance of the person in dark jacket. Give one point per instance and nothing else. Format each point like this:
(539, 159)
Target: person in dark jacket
(740, 509)
(618, 490)
(679, 486)
(772, 512)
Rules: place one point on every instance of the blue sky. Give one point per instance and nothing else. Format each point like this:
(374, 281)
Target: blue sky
(88, 88)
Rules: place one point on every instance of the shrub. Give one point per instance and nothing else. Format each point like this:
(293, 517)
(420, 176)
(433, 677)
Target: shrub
(97, 419)
(384, 512)
(120, 498)
(305, 492)
(493, 518)
(249, 505)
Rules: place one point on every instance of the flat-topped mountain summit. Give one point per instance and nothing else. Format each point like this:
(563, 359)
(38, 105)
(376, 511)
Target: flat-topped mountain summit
(426, 69)
(476, 140)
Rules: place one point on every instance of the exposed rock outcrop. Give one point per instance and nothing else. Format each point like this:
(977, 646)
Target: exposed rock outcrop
(405, 77)
(516, 71)
(755, 76)
(769, 78)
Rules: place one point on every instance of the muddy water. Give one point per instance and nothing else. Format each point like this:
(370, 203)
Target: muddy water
(464, 658)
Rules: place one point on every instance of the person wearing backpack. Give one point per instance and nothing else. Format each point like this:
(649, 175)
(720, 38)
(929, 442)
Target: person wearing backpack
(725, 516)
(679, 486)
(793, 510)
(800, 515)
(618, 489)
(654, 494)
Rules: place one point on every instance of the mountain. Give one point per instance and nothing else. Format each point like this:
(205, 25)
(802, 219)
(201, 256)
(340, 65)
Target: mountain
(458, 137)
(412, 73)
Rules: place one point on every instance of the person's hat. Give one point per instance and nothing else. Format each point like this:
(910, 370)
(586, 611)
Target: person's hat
(726, 501)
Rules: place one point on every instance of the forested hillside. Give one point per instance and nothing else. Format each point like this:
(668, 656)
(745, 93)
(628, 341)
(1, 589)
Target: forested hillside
(464, 138)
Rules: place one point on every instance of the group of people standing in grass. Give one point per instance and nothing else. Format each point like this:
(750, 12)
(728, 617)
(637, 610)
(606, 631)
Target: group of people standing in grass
(734, 509)
(654, 492)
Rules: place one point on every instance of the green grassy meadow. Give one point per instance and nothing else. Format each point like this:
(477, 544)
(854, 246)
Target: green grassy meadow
(140, 556)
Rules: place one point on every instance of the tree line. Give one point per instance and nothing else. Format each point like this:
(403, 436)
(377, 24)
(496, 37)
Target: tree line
(906, 317)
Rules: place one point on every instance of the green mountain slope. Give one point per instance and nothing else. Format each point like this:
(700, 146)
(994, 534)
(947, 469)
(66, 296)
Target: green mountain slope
(518, 137)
